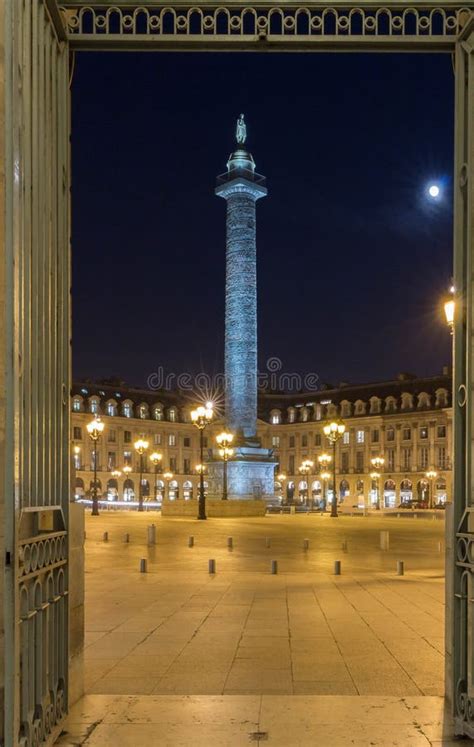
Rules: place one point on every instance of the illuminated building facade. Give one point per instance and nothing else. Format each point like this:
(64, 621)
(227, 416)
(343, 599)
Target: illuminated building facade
(407, 421)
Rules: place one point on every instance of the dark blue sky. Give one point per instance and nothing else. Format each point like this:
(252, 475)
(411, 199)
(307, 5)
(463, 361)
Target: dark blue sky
(352, 257)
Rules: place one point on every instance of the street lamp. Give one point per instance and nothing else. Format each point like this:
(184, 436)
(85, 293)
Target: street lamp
(431, 474)
(449, 308)
(306, 469)
(377, 463)
(94, 429)
(155, 459)
(333, 432)
(224, 440)
(140, 446)
(201, 417)
(168, 476)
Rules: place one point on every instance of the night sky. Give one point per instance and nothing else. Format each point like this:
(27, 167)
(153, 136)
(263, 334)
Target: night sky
(353, 258)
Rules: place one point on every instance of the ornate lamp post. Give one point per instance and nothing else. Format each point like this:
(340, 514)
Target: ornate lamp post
(306, 469)
(140, 446)
(333, 432)
(431, 474)
(168, 476)
(224, 441)
(155, 459)
(201, 417)
(94, 429)
(377, 463)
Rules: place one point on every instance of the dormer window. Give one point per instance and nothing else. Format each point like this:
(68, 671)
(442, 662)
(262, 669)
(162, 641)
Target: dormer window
(127, 409)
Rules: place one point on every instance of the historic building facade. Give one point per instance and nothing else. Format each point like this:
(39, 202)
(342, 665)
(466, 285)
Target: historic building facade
(406, 421)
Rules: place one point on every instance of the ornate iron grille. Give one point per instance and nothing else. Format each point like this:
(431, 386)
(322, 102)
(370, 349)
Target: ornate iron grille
(264, 27)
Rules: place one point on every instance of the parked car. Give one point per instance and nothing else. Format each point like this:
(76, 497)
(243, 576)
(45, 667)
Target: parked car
(416, 504)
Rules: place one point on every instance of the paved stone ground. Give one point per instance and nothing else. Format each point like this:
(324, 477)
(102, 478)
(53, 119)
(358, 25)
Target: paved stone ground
(178, 630)
(177, 657)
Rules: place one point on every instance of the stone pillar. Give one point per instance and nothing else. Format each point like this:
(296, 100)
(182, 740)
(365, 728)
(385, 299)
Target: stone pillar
(241, 187)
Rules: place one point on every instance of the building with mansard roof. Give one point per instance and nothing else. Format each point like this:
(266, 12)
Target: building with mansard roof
(407, 421)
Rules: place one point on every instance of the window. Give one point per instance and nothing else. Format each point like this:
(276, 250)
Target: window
(157, 439)
(127, 457)
(291, 415)
(171, 439)
(111, 460)
(441, 431)
(317, 439)
(172, 464)
(292, 442)
(442, 461)
(390, 434)
(172, 415)
(77, 460)
(94, 406)
(375, 436)
(276, 441)
(423, 432)
(360, 437)
(304, 440)
(112, 436)
(359, 461)
(346, 438)
(406, 434)
(406, 457)
(391, 459)
(318, 412)
(111, 409)
(187, 441)
(77, 433)
(345, 461)
(275, 418)
(291, 464)
(424, 457)
(187, 466)
(95, 458)
(127, 409)
(127, 437)
(158, 413)
(143, 411)
(76, 404)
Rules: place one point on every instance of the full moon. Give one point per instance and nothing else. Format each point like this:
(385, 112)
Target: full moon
(433, 190)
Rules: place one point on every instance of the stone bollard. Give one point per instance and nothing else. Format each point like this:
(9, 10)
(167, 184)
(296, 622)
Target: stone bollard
(106, 537)
(151, 534)
(230, 543)
(400, 568)
(191, 541)
(143, 565)
(274, 567)
(384, 540)
(267, 542)
(337, 567)
(126, 537)
(306, 544)
(212, 565)
(344, 546)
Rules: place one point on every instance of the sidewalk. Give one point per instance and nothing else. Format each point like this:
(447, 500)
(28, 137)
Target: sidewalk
(279, 721)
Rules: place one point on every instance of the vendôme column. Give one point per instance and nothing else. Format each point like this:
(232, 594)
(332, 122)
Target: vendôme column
(241, 187)
(251, 469)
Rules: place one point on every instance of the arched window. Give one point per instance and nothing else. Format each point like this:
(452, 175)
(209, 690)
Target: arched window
(389, 494)
(158, 411)
(407, 401)
(305, 414)
(424, 401)
(172, 414)
(128, 490)
(406, 491)
(127, 408)
(275, 417)
(143, 411)
(94, 405)
(111, 407)
(359, 407)
(291, 414)
(390, 404)
(345, 408)
(331, 410)
(375, 405)
(344, 490)
(77, 404)
(441, 397)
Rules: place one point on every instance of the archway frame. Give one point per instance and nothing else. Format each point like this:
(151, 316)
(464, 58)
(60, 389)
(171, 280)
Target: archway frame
(340, 26)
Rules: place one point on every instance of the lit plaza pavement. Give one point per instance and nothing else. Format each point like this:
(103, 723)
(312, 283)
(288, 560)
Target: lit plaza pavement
(228, 656)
